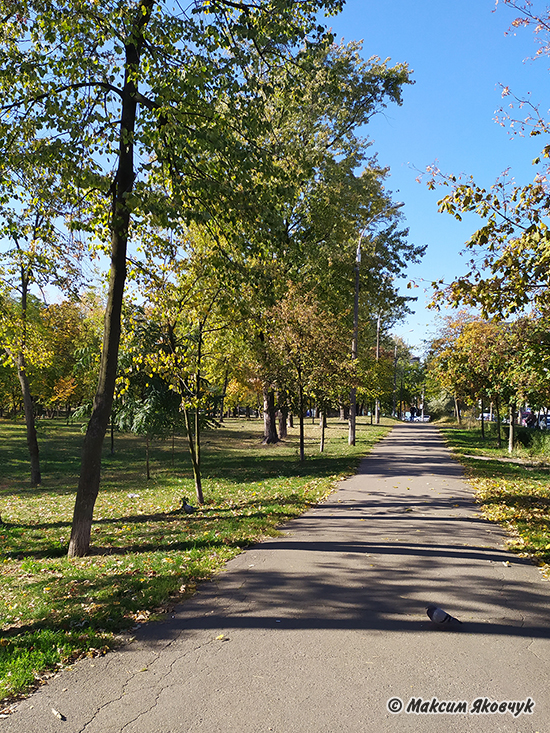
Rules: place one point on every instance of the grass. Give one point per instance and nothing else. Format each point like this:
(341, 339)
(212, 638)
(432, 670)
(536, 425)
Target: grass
(146, 554)
(515, 493)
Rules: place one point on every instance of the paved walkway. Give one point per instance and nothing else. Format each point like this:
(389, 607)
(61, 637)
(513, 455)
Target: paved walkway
(324, 625)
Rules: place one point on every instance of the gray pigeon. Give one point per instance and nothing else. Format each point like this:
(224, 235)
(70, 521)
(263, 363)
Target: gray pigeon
(187, 508)
(439, 616)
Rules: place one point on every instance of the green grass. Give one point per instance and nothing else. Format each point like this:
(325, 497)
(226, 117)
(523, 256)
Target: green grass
(146, 555)
(515, 493)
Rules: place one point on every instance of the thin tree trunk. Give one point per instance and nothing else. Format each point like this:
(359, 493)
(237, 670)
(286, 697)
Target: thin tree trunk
(499, 437)
(90, 471)
(323, 427)
(32, 439)
(302, 442)
(482, 420)
(283, 416)
(21, 366)
(225, 383)
(195, 458)
(270, 422)
(511, 416)
(147, 461)
(457, 411)
(197, 411)
(343, 412)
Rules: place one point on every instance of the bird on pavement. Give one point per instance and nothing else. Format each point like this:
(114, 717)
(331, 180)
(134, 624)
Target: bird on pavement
(439, 616)
(187, 508)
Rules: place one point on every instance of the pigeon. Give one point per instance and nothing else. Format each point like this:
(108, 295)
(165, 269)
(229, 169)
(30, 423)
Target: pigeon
(439, 616)
(187, 508)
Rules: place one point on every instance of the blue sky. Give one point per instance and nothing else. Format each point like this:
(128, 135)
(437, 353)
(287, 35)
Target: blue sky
(460, 53)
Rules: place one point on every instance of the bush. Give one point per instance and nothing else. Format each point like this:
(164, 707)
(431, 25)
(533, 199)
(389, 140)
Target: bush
(540, 442)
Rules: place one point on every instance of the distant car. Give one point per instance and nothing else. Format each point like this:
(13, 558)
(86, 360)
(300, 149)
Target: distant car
(426, 418)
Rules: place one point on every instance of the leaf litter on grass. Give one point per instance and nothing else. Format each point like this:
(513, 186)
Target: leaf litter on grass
(146, 556)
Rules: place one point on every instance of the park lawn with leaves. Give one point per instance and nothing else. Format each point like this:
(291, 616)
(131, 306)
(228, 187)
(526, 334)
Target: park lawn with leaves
(512, 490)
(147, 554)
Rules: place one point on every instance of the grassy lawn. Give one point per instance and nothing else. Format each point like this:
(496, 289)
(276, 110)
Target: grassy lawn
(146, 554)
(515, 493)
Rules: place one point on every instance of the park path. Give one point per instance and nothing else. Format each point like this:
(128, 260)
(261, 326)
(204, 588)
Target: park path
(324, 625)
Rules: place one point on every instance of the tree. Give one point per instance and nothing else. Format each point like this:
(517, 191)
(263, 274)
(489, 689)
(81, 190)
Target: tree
(38, 255)
(490, 361)
(508, 271)
(320, 196)
(20, 336)
(80, 72)
(311, 353)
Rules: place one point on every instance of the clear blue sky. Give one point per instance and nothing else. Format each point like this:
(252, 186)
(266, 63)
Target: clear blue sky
(460, 52)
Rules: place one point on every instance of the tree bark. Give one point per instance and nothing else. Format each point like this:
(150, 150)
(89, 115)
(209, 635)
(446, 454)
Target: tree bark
(225, 383)
(195, 457)
(32, 439)
(90, 471)
(511, 416)
(352, 416)
(302, 442)
(21, 366)
(282, 400)
(343, 412)
(270, 420)
(323, 422)
(283, 416)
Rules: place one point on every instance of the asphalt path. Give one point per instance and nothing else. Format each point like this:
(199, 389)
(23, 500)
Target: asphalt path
(317, 630)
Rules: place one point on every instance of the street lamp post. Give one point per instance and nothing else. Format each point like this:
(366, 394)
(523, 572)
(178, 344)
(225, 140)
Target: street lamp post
(353, 391)
(377, 401)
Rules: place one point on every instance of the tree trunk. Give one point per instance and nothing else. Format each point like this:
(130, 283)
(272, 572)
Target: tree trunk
(499, 437)
(195, 457)
(21, 366)
(32, 440)
(343, 412)
(225, 383)
(147, 461)
(283, 416)
(482, 420)
(323, 422)
(352, 416)
(512, 417)
(302, 442)
(270, 423)
(457, 411)
(90, 470)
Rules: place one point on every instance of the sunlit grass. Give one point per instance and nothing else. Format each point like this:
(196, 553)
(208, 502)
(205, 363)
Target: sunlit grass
(146, 554)
(514, 492)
